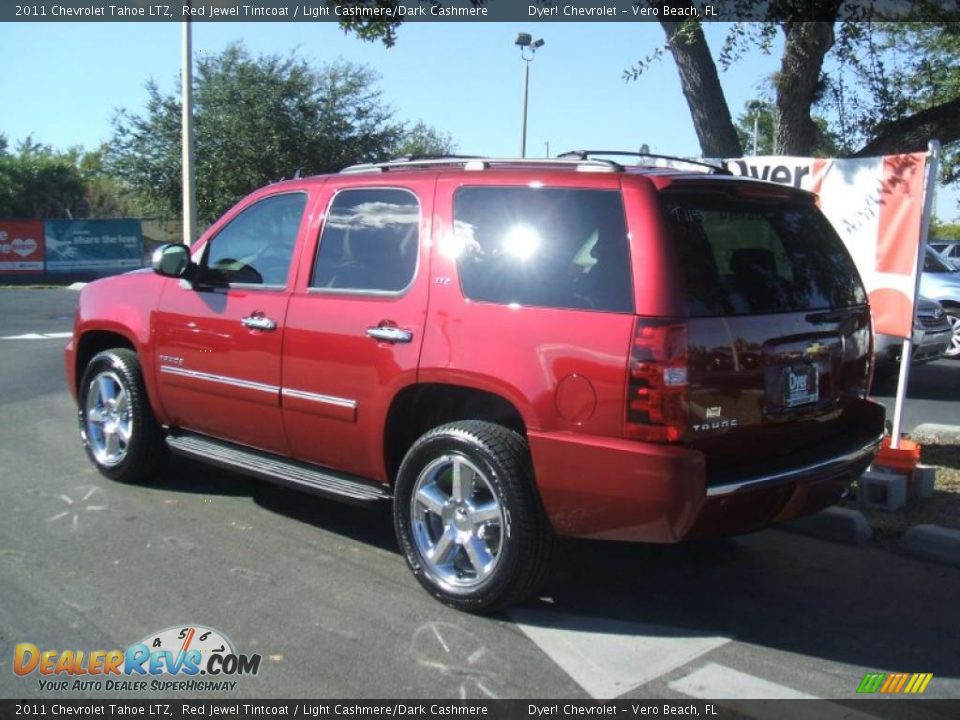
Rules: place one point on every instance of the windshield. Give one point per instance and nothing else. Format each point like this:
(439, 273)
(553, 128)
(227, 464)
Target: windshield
(742, 256)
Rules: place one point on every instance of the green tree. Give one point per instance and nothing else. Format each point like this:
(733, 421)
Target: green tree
(944, 231)
(38, 182)
(828, 143)
(257, 120)
(872, 104)
(421, 139)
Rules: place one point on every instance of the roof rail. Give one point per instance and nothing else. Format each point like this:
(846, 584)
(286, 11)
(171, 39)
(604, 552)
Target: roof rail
(471, 162)
(586, 154)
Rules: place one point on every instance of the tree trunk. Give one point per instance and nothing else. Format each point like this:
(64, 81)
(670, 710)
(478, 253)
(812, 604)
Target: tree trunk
(805, 46)
(911, 134)
(701, 87)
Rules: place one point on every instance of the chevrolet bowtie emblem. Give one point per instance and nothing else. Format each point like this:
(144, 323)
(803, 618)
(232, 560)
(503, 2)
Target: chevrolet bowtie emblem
(813, 350)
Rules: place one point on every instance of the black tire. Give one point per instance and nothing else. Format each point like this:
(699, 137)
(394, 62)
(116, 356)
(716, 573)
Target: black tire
(518, 540)
(143, 452)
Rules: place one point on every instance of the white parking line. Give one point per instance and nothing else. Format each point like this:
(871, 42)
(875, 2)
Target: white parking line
(719, 682)
(608, 657)
(38, 336)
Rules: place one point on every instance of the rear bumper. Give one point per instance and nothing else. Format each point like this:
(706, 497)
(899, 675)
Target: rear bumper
(622, 490)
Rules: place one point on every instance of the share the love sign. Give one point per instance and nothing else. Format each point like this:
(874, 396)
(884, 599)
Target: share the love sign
(21, 246)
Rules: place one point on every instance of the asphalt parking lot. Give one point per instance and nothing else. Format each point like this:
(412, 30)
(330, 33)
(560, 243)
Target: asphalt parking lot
(320, 590)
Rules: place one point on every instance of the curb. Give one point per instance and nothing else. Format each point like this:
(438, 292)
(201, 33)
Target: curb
(932, 542)
(837, 524)
(936, 433)
(82, 285)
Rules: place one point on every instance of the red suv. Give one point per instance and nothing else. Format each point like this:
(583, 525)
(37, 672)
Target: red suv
(508, 350)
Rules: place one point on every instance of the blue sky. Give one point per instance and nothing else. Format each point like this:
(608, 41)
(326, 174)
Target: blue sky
(463, 78)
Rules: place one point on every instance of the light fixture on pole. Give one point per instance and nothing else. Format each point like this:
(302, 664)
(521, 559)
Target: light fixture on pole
(528, 48)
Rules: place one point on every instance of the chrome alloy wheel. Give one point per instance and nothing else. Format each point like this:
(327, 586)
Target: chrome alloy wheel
(954, 349)
(108, 421)
(457, 522)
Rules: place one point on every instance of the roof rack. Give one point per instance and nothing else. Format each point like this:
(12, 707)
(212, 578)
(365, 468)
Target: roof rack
(472, 162)
(586, 154)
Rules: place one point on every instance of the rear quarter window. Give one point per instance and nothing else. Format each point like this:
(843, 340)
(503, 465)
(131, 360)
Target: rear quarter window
(747, 256)
(546, 247)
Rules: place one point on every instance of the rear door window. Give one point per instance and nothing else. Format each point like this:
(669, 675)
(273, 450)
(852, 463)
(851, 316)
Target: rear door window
(747, 256)
(369, 243)
(547, 247)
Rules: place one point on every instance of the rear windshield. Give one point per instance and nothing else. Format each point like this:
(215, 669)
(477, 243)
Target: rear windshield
(747, 256)
(550, 247)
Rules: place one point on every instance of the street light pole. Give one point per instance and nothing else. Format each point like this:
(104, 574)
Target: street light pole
(526, 43)
(755, 106)
(186, 140)
(526, 95)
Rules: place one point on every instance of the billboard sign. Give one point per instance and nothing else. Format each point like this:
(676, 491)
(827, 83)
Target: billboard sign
(101, 247)
(21, 247)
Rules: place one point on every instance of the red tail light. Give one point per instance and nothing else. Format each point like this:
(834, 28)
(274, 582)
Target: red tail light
(657, 384)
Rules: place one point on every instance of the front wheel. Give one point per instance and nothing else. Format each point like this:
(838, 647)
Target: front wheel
(468, 517)
(953, 317)
(117, 426)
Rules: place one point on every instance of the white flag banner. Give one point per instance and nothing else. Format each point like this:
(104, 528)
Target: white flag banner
(876, 206)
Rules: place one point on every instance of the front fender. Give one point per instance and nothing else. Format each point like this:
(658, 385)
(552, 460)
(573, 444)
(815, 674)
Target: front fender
(121, 305)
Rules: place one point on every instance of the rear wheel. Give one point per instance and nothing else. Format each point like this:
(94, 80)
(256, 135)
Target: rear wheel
(119, 432)
(468, 517)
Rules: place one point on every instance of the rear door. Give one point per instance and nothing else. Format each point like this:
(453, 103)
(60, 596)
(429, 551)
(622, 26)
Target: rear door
(778, 331)
(355, 324)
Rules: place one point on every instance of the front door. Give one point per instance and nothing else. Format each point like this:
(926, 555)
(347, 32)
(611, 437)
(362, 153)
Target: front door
(218, 344)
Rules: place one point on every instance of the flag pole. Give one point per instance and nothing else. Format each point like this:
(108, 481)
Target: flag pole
(933, 162)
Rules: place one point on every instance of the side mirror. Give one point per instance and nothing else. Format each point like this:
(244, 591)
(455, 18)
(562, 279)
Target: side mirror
(171, 260)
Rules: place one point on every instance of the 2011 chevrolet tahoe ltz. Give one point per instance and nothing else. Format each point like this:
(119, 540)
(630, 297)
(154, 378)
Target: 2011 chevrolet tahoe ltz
(505, 350)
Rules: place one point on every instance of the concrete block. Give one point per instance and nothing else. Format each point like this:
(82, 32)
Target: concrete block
(884, 490)
(837, 524)
(921, 482)
(933, 542)
(936, 434)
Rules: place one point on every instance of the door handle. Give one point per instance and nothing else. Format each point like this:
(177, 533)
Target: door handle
(386, 333)
(259, 322)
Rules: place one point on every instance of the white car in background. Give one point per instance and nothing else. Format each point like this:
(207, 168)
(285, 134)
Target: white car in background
(940, 281)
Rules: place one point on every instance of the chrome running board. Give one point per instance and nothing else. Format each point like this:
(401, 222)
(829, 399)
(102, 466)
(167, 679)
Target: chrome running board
(278, 469)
